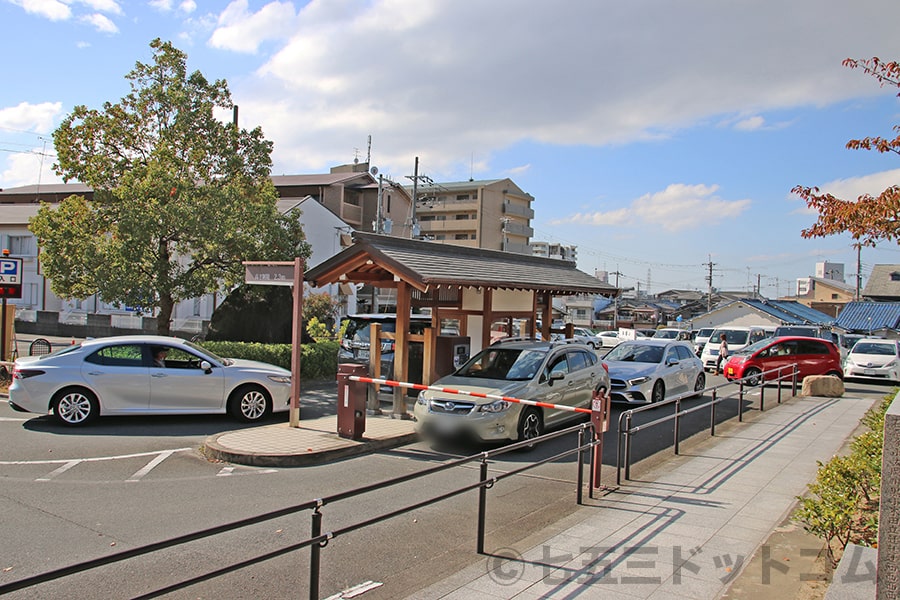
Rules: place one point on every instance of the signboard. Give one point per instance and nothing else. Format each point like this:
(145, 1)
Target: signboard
(10, 271)
(269, 273)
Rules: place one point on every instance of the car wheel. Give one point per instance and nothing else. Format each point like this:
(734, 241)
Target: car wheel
(249, 403)
(837, 374)
(75, 406)
(531, 425)
(752, 376)
(659, 392)
(700, 383)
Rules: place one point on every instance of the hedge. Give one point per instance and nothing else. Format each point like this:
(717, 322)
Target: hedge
(317, 361)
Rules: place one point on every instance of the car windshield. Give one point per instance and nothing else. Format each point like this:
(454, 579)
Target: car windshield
(513, 364)
(209, 354)
(874, 348)
(636, 353)
(668, 334)
(735, 337)
(704, 333)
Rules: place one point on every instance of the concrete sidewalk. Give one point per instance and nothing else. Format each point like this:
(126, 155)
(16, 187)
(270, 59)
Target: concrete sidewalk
(686, 528)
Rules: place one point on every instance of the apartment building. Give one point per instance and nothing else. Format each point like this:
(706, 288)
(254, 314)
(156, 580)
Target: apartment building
(553, 250)
(491, 214)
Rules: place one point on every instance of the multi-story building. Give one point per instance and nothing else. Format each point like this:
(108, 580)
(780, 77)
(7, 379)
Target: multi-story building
(492, 214)
(553, 250)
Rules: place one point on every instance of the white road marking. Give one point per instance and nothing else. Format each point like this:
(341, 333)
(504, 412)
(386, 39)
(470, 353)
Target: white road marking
(13, 419)
(225, 472)
(150, 466)
(58, 461)
(60, 470)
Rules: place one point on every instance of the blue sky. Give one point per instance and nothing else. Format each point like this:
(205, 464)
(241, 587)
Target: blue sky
(657, 136)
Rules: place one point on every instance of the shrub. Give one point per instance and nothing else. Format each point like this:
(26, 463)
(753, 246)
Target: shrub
(317, 361)
(842, 504)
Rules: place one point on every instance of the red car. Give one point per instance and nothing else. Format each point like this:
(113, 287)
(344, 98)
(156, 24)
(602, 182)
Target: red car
(813, 356)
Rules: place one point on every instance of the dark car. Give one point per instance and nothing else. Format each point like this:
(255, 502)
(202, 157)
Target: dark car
(812, 355)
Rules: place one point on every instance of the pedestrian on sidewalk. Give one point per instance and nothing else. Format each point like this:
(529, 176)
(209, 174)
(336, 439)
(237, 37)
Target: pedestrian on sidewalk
(723, 353)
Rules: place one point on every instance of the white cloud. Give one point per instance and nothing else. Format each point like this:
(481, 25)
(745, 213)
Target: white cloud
(105, 6)
(852, 188)
(185, 6)
(51, 9)
(242, 31)
(101, 23)
(750, 123)
(677, 208)
(28, 168)
(40, 118)
(442, 79)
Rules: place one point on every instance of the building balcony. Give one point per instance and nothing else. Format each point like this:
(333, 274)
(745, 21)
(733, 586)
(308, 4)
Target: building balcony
(467, 225)
(526, 212)
(351, 214)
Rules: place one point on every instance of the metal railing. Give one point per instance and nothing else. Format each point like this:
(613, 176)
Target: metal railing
(626, 429)
(319, 539)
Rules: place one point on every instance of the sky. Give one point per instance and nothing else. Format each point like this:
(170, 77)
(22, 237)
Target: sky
(661, 138)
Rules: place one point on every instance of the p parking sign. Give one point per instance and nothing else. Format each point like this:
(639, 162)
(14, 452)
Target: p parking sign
(10, 277)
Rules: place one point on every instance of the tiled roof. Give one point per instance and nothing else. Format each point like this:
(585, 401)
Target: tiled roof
(373, 258)
(869, 316)
(883, 283)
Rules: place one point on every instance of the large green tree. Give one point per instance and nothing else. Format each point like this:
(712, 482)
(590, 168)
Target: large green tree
(180, 197)
(867, 218)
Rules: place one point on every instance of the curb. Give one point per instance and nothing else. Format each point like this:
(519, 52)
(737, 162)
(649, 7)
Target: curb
(213, 450)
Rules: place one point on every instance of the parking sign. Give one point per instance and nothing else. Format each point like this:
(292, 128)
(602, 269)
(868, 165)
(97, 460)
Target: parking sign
(10, 271)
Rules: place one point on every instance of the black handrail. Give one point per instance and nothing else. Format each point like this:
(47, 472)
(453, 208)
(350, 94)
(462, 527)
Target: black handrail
(625, 429)
(319, 539)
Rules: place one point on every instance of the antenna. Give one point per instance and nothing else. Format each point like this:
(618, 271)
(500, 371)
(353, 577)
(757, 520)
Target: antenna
(472, 168)
(369, 150)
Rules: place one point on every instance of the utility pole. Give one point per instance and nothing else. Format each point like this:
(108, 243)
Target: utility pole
(616, 302)
(858, 268)
(709, 282)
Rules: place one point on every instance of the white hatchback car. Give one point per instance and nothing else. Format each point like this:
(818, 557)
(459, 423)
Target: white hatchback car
(872, 358)
(118, 376)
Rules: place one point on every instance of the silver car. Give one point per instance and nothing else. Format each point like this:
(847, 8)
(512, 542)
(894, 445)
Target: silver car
(561, 373)
(651, 370)
(119, 376)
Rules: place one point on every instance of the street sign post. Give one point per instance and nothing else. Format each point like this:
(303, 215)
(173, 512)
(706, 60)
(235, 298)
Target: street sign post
(10, 287)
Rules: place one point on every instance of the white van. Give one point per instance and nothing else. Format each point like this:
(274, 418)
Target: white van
(738, 337)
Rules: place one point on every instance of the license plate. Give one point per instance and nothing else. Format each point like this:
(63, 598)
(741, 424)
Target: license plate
(730, 371)
(363, 354)
(869, 371)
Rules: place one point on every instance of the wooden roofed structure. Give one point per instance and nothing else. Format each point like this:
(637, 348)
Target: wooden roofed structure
(474, 287)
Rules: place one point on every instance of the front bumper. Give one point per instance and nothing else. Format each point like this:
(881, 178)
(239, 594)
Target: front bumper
(463, 420)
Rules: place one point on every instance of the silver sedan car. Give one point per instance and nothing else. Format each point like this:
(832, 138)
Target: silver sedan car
(140, 375)
(651, 370)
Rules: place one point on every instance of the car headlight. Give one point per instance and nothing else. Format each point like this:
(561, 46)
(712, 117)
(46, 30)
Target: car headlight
(494, 407)
(280, 378)
(422, 400)
(638, 381)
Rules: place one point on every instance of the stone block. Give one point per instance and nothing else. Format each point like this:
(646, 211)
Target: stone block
(828, 386)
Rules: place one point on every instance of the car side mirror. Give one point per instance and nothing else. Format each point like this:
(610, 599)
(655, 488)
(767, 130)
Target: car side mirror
(671, 362)
(207, 368)
(556, 376)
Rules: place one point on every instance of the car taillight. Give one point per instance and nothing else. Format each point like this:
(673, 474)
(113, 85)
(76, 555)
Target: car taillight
(19, 373)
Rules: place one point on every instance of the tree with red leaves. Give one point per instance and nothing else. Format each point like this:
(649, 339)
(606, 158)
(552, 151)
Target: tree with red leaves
(868, 218)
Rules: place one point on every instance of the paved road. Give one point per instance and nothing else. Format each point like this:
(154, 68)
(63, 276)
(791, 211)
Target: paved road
(69, 495)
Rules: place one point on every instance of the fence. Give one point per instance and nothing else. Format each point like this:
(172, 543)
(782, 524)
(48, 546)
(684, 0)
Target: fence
(319, 539)
(626, 429)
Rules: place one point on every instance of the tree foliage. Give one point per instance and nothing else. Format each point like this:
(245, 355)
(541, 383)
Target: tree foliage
(867, 218)
(180, 197)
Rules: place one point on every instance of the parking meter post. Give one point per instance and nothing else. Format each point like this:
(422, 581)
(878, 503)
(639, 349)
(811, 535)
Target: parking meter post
(600, 409)
(351, 409)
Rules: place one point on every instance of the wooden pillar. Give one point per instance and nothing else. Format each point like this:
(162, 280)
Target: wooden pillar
(296, 340)
(488, 316)
(401, 353)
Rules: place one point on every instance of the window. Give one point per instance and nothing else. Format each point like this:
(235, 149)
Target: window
(461, 236)
(120, 355)
(22, 245)
(462, 217)
(834, 296)
(176, 358)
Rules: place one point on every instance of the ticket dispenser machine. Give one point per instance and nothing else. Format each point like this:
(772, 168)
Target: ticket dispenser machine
(451, 352)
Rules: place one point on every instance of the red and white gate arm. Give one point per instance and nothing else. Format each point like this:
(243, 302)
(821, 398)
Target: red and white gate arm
(435, 388)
